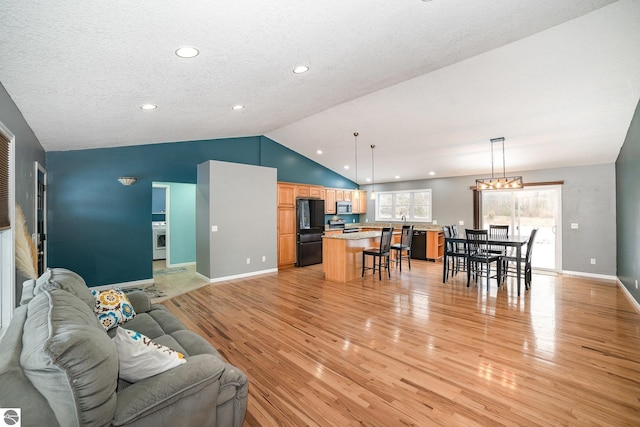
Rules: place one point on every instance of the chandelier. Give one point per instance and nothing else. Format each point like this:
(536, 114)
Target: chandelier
(500, 183)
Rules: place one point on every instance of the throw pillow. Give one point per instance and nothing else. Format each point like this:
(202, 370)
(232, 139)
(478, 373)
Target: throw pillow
(112, 307)
(142, 358)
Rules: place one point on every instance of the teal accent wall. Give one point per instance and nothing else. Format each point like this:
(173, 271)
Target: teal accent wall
(101, 229)
(628, 208)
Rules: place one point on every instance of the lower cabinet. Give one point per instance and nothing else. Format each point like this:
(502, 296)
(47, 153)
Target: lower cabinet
(427, 245)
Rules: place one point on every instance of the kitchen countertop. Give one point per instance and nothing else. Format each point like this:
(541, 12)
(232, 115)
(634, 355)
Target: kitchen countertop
(355, 236)
(381, 225)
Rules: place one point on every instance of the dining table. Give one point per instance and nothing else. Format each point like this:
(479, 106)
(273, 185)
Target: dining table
(516, 242)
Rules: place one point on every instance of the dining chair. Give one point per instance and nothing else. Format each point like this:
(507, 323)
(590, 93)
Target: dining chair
(380, 254)
(455, 252)
(479, 259)
(525, 267)
(403, 246)
(498, 231)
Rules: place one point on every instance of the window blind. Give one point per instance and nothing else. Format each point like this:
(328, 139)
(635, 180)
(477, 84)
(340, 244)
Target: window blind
(4, 183)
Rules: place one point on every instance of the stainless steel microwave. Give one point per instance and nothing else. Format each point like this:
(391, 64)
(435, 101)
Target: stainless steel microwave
(344, 207)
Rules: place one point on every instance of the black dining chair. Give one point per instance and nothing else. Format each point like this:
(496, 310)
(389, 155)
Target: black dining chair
(525, 267)
(479, 259)
(404, 246)
(456, 254)
(381, 254)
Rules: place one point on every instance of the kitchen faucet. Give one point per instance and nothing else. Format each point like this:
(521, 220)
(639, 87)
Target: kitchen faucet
(404, 220)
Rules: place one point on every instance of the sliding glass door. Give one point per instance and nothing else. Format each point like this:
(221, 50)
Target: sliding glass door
(523, 210)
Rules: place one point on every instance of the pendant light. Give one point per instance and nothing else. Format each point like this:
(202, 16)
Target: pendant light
(500, 183)
(355, 144)
(373, 181)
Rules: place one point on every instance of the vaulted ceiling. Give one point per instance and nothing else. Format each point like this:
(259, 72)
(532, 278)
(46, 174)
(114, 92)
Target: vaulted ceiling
(427, 82)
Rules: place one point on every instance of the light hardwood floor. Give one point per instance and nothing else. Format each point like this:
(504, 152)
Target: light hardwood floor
(414, 351)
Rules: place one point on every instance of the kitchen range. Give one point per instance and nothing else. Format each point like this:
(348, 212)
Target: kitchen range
(309, 231)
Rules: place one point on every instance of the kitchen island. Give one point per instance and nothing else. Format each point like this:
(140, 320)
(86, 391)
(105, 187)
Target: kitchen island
(342, 253)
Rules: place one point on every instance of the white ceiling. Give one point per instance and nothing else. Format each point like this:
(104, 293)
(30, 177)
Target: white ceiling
(428, 82)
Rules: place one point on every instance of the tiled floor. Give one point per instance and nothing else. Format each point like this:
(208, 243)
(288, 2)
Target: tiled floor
(175, 281)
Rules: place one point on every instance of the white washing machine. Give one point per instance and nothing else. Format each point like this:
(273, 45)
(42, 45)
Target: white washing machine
(159, 239)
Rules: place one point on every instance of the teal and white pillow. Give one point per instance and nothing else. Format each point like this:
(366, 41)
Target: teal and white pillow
(112, 307)
(140, 358)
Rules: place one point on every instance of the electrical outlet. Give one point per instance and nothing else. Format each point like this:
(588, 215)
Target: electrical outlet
(434, 222)
(214, 228)
(264, 258)
(636, 283)
(248, 260)
(593, 260)
(460, 222)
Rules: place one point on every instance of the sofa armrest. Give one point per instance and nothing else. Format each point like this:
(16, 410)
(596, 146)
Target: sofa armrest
(140, 301)
(195, 383)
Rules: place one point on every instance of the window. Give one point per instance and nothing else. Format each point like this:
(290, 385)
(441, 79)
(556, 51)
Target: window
(412, 205)
(7, 256)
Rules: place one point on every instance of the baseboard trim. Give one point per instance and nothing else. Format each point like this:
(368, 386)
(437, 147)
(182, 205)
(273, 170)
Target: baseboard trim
(133, 284)
(630, 297)
(591, 275)
(239, 276)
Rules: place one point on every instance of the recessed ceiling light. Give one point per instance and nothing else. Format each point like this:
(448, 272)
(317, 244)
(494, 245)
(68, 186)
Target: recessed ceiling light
(238, 107)
(368, 179)
(319, 152)
(346, 166)
(397, 176)
(148, 106)
(187, 52)
(301, 69)
(432, 173)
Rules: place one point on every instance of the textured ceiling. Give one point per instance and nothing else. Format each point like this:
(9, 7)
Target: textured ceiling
(429, 83)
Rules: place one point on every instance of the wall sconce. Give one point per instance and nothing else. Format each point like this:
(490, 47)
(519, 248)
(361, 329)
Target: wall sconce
(127, 180)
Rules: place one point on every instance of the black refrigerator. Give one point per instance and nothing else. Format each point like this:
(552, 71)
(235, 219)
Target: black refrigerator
(309, 231)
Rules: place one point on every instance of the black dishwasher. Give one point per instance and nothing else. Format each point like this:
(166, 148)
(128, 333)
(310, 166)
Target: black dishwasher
(419, 245)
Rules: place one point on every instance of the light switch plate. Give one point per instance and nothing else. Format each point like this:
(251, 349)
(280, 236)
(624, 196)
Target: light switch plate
(460, 222)
(574, 225)
(214, 228)
(435, 222)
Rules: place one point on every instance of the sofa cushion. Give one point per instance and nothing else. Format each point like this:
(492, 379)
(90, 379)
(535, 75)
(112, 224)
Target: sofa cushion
(142, 358)
(70, 359)
(112, 308)
(67, 280)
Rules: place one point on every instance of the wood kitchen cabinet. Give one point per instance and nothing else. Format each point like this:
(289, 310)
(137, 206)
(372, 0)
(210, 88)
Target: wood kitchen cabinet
(435, 244)
(359, 203)
(317, 192)
(329, 201)
(286, 195)
(339, 195)
(302, 191)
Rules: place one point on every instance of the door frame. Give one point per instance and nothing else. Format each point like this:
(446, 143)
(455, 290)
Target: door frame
(558, 227)
(40, 169)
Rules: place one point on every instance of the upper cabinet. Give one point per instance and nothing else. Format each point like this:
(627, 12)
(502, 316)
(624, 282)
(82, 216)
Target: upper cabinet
(329, 201)
(360, 202)
(286, 195)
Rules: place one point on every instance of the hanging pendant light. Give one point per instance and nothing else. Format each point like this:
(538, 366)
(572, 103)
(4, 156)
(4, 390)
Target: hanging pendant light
(500, 183)
(355, 136)
(373, 181)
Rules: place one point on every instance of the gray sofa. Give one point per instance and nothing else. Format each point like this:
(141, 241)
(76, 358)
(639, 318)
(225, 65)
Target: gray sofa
(60, 366)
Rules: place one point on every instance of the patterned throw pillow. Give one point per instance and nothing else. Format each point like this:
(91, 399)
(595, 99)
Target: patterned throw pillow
(112, 307)
(140, 358)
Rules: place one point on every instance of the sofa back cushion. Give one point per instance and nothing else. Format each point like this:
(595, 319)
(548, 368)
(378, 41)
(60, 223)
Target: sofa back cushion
(70, 359)
(61, 278)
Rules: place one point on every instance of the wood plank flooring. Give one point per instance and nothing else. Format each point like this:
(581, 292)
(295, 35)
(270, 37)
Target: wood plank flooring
(414, 351)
